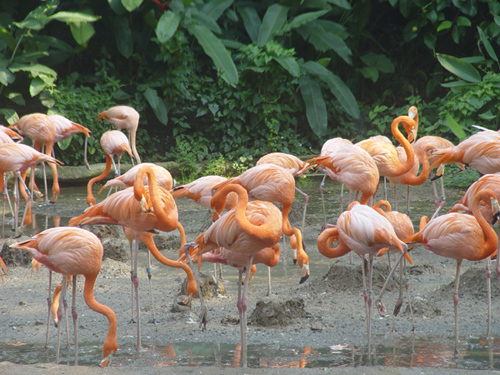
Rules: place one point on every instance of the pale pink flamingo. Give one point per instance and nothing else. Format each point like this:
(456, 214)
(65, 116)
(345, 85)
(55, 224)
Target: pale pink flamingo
(75, 251)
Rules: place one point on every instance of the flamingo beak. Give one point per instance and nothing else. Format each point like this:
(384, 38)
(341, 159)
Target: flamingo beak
(107, 361)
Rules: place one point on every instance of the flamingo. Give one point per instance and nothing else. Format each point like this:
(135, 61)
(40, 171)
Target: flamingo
(354, 167)
(17, 158)
(330, 147)
(41, 129)
(421, 149)
(199, 191)
(140, 208)
(163, 177)
(367, 232)
(113, 143)
(480, 151)
(460, 237)
(16, 137)
(245, 230)
(386, 156)
(75, 251)
(272, 183)
(124, 117)
(5, 138)
(3, 268)
(65, 128)
(413, 114)
(296, 167)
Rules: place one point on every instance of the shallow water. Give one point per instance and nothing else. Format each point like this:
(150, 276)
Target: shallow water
(406, 352)
(409, 351)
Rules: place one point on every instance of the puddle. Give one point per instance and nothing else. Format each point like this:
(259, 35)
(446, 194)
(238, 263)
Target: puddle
(406, 352)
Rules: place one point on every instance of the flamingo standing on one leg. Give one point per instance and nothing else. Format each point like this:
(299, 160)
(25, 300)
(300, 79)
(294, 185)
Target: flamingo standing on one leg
(245, 230)
(272, 183)
(113, 143)
(142, 209)
(124, 117)
(75, 251)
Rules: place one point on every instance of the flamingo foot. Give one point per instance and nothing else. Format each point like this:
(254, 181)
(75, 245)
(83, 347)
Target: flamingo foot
(203, 319)
(54, 199)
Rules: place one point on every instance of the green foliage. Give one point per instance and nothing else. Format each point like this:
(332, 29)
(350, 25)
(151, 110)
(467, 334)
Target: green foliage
(28, 52)
(457, 178)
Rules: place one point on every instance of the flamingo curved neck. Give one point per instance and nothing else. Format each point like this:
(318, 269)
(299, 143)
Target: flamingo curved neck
(331, 235)
(410, 157)
(490, 243)
(90, 197)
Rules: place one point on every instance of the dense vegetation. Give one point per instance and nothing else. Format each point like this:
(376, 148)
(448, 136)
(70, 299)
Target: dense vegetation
(236, 79)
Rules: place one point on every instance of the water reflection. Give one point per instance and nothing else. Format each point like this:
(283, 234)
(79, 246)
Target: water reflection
(405, 352)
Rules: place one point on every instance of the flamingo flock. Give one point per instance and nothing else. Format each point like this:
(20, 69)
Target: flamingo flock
(247, 225)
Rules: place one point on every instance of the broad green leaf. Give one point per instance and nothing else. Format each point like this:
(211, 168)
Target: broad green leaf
(123, 36)
(487, 44)
(157, 104)
(459, 68)
(274, 19)
(251, 21)
(214, 48)
(444, 25)
(47, 99)
(344, 95)
(289, 64)
(167, 26)
(8, 38)
(63, 145)
(302, 19)
(458, 83)
(369, 72)
(16, 98)
(332, 27)
(488, 116)
(74, 17)
(35, 69)
(117, 7)
(325, 41)
(336, 85)
(341, 3)
(233, 44)
(10, 115)
(130, 5)
(379, 61)
(205, 20)
(82, 32)
(455, 127)
(315, 105)
(36, 86)
(31, 23)
(215, 8)
(6, 76)
(463, 21)
(473, 59)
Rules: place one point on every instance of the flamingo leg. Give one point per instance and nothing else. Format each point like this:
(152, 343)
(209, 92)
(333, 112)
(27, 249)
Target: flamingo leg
(455, 303)
(395, 196)
(135, 281)
(341, 198)
(242, 309)
(408, 200)
(59, 317)
(49, 304)
(148, 270)
(74, 314)
(132, 316)
(378, 301)
(306, 199)
(408, 296)
(323, 198)
(268, 281)
(488, 293)
(369, 302)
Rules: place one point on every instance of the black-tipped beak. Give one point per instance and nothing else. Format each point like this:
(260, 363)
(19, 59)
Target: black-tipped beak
(303, 279)
(294, 261)
(495, 218)
(436, 177)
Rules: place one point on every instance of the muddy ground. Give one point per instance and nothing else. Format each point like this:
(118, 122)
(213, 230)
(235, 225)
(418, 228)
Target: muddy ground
(327, 311)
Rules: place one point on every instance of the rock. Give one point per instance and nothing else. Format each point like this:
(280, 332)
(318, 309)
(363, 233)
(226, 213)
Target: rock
(12, 256)
(277, 313)
(209, 286)
(112, 268)
(116, 249)
(230, 320)
(106, 231)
